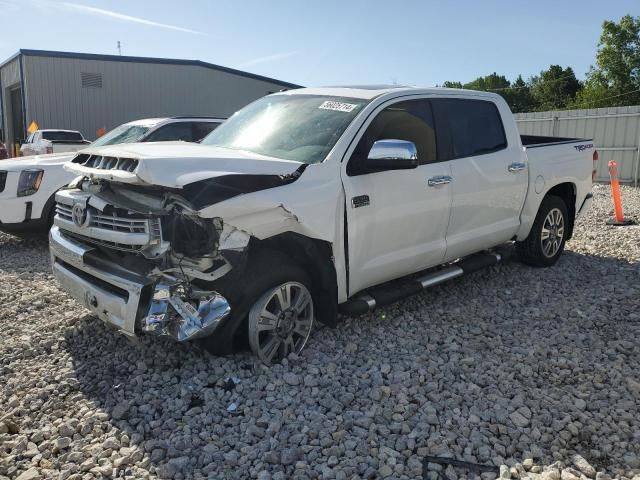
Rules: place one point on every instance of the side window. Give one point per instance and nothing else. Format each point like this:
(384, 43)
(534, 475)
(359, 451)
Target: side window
(202, 129)
(172, 132)
(468, 127)
(410, 120)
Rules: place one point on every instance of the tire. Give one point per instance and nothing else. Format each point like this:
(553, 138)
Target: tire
(547, 237)
(50, 214)
(266, 274)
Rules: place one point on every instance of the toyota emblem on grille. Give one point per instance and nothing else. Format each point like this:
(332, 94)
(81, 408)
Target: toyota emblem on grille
(79, 215)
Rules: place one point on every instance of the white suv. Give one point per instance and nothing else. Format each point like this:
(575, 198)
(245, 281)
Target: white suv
(28, 185)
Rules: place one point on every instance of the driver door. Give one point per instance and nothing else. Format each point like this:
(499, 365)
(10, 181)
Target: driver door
(396, 219)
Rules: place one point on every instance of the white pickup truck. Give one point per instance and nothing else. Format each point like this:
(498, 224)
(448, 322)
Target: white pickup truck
(42, 142)
(307, 202)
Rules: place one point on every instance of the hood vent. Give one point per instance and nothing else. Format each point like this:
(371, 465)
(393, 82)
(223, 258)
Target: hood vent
(106, 163)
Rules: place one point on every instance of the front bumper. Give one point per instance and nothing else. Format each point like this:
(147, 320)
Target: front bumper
(20, 210)
(131, 302)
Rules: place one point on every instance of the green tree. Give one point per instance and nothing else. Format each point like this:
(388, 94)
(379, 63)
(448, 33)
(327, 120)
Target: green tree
(615, 79)
(554, 88)
(489, 83)
(519, 96)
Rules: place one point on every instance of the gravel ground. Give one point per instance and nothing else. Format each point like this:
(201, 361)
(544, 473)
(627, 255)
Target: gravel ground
(511, 364)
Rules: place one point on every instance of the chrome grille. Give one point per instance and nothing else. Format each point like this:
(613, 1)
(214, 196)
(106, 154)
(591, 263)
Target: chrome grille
(115, 245)
(113, 222)
(155, 229)
(106, 163)
(110, 226)
(64, 211)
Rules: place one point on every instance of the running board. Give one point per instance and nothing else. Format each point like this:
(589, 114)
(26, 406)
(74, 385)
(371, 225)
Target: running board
(379, 296)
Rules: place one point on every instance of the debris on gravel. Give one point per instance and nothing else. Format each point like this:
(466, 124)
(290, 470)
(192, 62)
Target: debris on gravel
(533, 371)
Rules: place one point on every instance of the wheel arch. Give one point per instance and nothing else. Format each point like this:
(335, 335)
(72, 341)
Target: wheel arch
(566, 190)
(49, 205)
(315, 257)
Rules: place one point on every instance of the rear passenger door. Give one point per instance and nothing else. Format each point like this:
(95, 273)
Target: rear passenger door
(488, 192)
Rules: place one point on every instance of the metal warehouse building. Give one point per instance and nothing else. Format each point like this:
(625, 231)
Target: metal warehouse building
(86, 92)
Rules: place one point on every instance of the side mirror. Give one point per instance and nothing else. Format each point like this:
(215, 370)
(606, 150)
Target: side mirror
(392, 155)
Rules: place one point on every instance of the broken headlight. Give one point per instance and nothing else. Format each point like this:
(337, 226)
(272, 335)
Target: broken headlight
(190, 236)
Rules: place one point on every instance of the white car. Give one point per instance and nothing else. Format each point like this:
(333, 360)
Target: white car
(42, 142)
(28, 185)
(308, 201)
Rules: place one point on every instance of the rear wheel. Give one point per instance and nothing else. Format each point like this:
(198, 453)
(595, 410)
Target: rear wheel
(545, 242)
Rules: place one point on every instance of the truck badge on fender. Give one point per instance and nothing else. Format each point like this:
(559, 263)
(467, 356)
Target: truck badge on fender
(360, 201)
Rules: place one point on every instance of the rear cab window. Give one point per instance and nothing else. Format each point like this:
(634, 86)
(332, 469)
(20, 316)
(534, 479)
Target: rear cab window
(62, 136)
(467, 128)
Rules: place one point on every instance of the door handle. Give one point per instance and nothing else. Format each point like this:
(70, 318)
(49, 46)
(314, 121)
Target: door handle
(517, 167)
(439, 180)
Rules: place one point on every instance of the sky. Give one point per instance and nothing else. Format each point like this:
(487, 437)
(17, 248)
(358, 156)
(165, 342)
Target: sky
(326, 42)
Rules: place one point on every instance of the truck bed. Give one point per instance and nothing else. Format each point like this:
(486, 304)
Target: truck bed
(70, 142)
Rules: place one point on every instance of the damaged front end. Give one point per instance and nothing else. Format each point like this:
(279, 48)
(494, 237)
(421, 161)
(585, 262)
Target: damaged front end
(143, 261)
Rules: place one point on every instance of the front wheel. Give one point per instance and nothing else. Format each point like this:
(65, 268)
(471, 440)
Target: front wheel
(549, 232)
(280, 321)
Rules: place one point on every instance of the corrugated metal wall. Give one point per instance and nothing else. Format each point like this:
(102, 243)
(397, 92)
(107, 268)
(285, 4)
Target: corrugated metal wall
(9, 78)
(615, 132)
(55, 97)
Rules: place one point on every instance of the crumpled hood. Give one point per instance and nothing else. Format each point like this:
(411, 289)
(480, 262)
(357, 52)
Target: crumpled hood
(176, 164)
(35, 161)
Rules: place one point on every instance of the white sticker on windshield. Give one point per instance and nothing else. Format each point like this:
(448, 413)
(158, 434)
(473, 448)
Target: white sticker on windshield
(338, 106)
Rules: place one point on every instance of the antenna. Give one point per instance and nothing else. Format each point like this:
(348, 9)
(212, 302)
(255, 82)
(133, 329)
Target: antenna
(119, 49)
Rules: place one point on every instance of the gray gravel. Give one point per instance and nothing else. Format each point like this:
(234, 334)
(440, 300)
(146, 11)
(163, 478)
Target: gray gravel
(536, 371)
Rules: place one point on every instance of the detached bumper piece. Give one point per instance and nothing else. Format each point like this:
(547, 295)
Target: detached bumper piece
(172, 314)
(129, 301)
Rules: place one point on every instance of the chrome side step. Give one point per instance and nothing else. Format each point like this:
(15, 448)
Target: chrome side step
(435, 278)
(378, 296)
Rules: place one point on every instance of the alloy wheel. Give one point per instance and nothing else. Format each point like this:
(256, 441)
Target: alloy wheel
(281, 321)
(552, 232)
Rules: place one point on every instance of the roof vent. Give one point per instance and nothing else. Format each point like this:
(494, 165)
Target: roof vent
(91, 80)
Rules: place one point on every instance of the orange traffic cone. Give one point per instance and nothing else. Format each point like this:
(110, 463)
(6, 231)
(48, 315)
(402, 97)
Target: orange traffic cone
(619, 219)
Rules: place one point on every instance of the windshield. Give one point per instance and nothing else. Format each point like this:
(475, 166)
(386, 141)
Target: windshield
(303, 128)
(122, 134)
